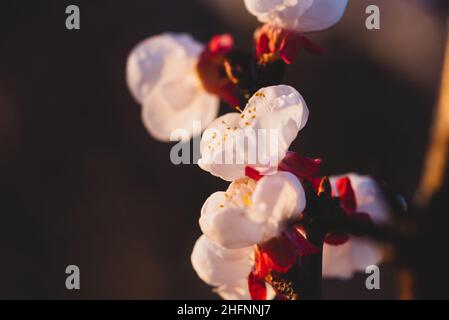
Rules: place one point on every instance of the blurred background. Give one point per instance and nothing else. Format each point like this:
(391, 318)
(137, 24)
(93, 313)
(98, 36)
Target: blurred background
(81, 181)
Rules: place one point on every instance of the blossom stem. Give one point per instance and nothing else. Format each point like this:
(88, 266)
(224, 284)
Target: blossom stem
(306, 275)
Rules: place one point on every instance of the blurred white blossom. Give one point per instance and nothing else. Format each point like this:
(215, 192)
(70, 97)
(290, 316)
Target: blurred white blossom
(162, 77)
(342, 261)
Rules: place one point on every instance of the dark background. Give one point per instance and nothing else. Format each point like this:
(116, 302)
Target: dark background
(81, 182)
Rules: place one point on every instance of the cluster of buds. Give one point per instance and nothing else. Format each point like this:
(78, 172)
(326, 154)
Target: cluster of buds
(272, 222)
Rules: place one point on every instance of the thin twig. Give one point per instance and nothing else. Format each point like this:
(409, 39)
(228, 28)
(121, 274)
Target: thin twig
(436, 159)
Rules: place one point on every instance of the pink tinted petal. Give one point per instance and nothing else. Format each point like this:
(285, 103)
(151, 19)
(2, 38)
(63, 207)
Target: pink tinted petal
(262, 45)
(278, 198)
(288, 50)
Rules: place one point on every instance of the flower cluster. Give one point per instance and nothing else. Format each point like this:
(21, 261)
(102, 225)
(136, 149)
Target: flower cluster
(178, 80)
(278, 209)
(258, 228)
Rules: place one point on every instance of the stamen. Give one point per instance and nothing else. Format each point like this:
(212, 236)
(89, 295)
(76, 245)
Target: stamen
(227, 125)
(247, 199)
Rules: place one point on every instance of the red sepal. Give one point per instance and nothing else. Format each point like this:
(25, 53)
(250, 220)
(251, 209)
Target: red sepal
(211, 70)
(302, 246)
(257, 287)
(336, 239)
(281, 253)
(316, 183)
(346, 195)
(277, 254)
(253, 173)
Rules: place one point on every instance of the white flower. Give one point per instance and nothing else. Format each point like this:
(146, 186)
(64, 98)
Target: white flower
(299, 15)
(342, 261)
(258, 137)
(225, 269)
(249, 213)
(162, 77)
(233, 222)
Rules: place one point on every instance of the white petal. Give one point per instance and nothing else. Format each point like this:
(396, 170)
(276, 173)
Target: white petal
(257, 7)
(218, 266)
(337, 261)
(237, 196)
(355, 255)
(231, 228)
(235, 291)
(224, 217)
(215, 202)
(365, 253)
(259, 137)
(368, 196)
(218, 148)
(153, 59)
(277, 199)
(283, 13)
(280, 110)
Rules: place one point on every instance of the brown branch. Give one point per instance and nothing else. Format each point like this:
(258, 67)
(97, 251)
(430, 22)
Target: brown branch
(436, 159)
